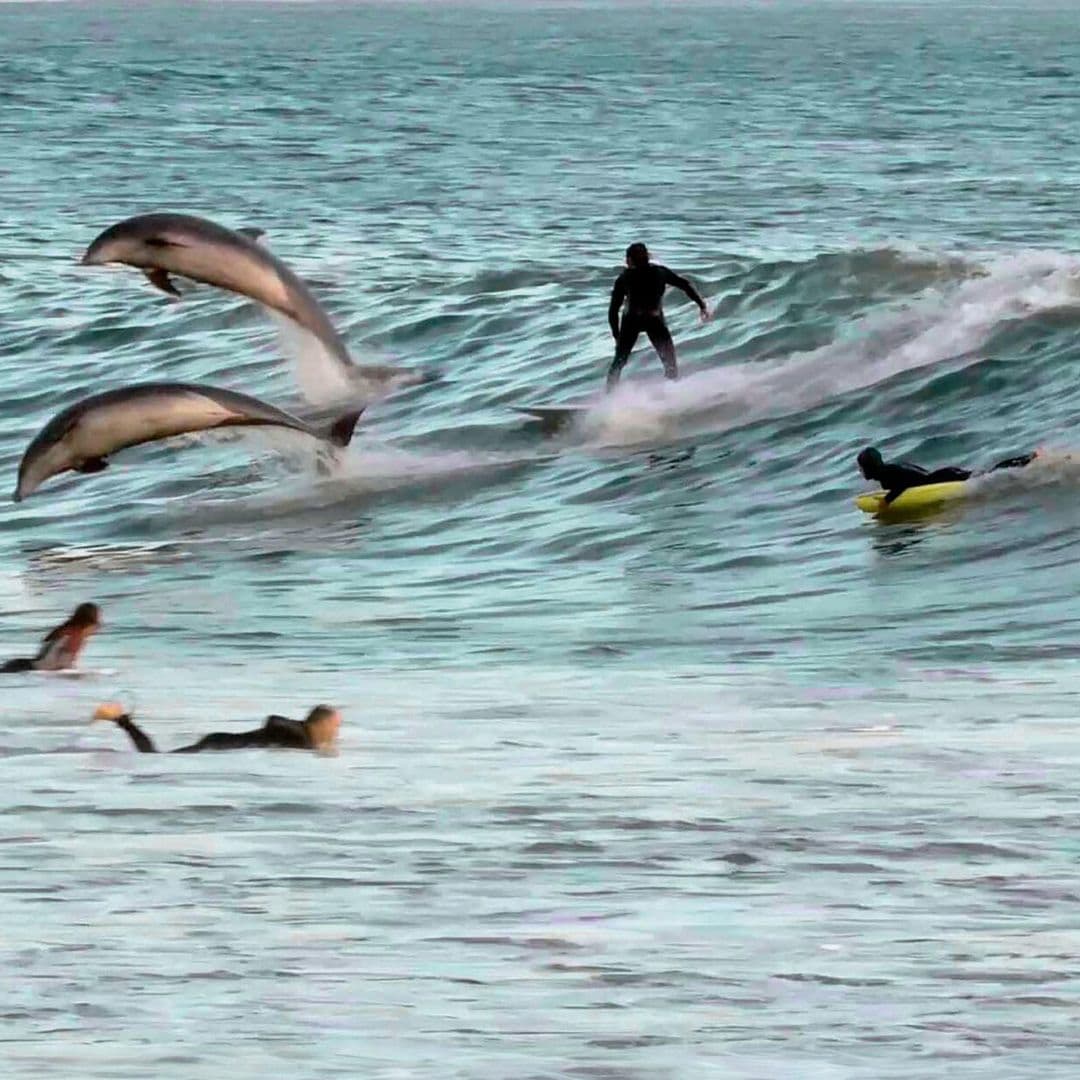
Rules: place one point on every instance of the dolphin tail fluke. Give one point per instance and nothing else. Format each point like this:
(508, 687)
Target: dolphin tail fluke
(341, 430)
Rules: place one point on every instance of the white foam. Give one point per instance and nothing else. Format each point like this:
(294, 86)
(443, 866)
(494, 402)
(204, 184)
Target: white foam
(364, 474)
(942, 324)
(1051, 467)
(320, 375)
(325, 380)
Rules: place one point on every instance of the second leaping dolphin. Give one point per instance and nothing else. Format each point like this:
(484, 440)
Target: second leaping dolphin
(81, 437)
(193, 247)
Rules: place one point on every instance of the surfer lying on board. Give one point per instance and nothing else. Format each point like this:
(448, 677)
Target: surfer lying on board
(641, 285)
(318, 731)
(897, 476)
(61, 646)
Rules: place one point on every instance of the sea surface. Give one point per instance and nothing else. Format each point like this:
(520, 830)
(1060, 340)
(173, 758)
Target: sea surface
(659, 759)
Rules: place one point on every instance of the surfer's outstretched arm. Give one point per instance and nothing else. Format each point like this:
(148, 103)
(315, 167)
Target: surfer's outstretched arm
(680, 282)
(618, 295)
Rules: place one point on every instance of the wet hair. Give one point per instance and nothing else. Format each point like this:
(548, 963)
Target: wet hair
(637, 254)
(86, 615)
(870, 462)
(318, 719)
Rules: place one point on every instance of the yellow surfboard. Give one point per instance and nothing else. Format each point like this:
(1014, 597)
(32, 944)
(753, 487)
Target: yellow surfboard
(913, 501)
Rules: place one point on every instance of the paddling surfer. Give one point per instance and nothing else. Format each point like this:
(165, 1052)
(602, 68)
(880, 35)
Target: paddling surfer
(897, 476)
(318, 731)
(61, 646)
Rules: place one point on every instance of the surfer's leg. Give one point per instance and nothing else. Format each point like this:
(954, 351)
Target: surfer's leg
(945, 476)
(1017, 462)
(628, 335)
(660, 336)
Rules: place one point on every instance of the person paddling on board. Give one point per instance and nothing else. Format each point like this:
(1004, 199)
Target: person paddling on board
(318, 731)
(897, 476)
(641, 286)
(61, 646)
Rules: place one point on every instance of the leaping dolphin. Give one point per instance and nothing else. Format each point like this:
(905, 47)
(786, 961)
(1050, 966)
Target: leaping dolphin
(81, 437)
(164, 243)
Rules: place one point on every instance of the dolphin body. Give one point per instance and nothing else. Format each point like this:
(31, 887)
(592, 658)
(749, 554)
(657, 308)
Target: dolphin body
(161, 244)
(82, 436)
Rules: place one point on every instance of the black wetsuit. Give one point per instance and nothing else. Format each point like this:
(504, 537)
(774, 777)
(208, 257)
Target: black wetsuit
(642, 288)
(278, 731)
(896, 477)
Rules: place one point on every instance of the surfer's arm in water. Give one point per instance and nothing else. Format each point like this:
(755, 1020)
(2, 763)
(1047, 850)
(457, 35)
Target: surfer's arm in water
(896, 479)
(679, 282)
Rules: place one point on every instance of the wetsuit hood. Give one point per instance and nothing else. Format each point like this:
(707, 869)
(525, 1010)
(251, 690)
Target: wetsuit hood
(870, 463)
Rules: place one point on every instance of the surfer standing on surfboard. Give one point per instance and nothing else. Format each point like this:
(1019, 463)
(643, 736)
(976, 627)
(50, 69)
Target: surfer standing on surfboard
(897, 476)
(641, 285)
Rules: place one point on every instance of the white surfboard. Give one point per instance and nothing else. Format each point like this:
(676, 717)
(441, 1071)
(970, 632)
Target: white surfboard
(77, 673)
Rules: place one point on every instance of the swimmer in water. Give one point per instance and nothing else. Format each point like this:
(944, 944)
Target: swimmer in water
(61, 646)
(317, 732)
(641, 285)
(897, 476)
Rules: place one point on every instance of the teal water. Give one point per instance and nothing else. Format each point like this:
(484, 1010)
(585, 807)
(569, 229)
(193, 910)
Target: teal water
(659, 759)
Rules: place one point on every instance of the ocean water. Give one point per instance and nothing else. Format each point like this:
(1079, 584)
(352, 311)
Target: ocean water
(659, 759)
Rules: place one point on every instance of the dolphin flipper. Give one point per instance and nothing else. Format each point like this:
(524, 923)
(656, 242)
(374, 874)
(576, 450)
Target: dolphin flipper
(160, 280)
(91, 465)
